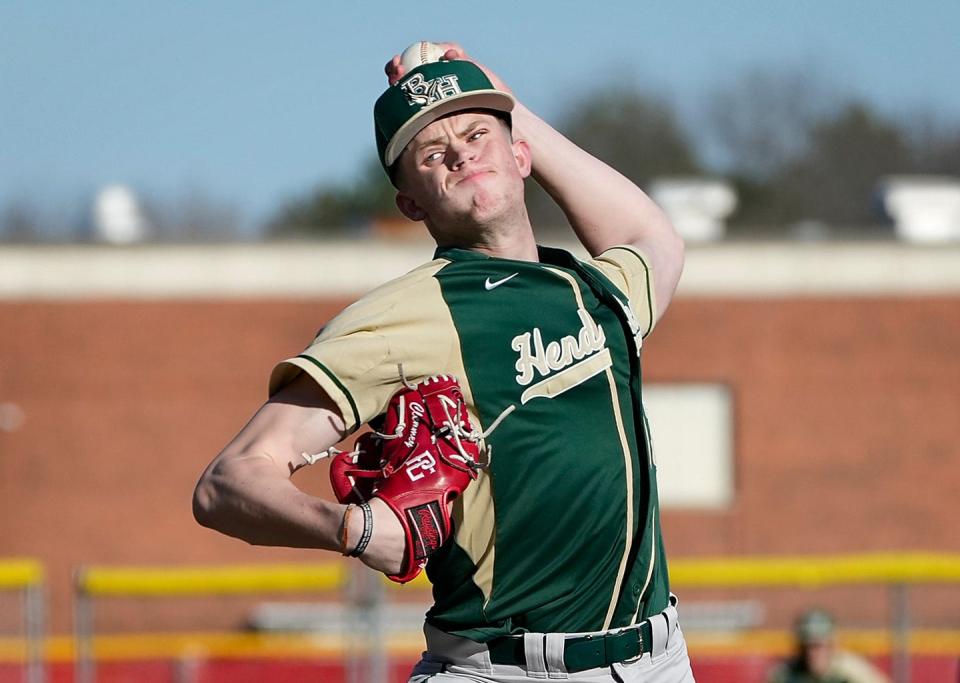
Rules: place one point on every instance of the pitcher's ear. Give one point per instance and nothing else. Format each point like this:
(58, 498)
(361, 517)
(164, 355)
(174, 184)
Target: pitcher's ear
(523, 157)
(409, 208)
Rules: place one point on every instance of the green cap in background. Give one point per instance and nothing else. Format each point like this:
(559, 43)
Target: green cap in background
(425, 94)
(815, 626)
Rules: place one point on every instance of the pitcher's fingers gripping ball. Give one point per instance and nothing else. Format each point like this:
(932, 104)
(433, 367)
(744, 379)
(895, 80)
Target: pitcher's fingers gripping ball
(425, 456)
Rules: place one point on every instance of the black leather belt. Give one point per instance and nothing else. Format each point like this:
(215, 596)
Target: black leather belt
(581, 652)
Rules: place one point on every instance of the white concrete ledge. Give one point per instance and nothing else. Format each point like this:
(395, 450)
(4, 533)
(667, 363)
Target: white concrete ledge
(313, 269)
(830, 269)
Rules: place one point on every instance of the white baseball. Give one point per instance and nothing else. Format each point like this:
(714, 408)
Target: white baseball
(419, 54)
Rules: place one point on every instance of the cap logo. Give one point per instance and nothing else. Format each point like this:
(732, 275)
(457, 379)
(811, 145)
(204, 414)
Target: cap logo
(422, 92)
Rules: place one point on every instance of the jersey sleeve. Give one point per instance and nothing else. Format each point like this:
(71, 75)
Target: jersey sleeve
(355, 356)
(629, 270)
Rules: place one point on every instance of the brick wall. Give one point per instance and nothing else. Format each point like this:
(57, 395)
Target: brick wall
(847, 434)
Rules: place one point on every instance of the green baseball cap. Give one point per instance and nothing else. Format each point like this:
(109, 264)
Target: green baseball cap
(815, 626)
(424, 95)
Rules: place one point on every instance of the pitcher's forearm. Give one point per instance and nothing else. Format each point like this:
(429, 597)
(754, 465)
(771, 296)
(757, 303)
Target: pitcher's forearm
(248, 498)
(251, 500)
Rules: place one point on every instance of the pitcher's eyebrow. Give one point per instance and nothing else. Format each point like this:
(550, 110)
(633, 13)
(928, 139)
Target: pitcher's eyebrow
(464, 132)
(432, 141)
(470, 127)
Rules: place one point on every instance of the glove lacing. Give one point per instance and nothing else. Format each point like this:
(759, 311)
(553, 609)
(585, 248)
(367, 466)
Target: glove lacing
(451, 425)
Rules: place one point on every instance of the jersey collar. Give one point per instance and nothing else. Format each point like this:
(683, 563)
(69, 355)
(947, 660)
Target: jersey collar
(546, 255)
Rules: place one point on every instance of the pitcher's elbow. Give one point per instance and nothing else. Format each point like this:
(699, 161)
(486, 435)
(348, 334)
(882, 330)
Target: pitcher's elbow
(205, 503)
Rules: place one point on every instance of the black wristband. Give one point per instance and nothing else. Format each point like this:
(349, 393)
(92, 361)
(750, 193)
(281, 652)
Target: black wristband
(367, 530)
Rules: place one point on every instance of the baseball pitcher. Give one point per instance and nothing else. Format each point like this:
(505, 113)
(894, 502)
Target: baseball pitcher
(509, 454)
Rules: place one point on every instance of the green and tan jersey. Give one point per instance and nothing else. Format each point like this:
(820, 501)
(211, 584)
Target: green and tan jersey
(561, 532)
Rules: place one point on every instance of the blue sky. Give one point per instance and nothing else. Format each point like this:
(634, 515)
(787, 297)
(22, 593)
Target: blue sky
(253, 102)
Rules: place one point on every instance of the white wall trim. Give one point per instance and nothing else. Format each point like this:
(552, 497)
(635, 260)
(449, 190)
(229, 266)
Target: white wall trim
(311, 269)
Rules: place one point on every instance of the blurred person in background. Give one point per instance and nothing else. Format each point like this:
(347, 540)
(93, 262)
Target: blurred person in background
(819, 659)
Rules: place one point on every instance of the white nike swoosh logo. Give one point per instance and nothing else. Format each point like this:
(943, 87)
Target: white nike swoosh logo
(493, 285)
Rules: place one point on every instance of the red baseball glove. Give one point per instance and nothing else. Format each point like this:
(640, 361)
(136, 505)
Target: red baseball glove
(425, 457)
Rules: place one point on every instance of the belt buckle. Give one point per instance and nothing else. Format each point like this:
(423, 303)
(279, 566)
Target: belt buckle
(603, 649)
(626, 644)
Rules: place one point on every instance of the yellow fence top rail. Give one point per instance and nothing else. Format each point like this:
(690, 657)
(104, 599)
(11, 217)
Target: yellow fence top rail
(817, 570)
(163, 581)
(20, 573)
(878, 568)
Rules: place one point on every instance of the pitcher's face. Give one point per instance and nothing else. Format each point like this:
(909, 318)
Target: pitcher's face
(462, 169)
